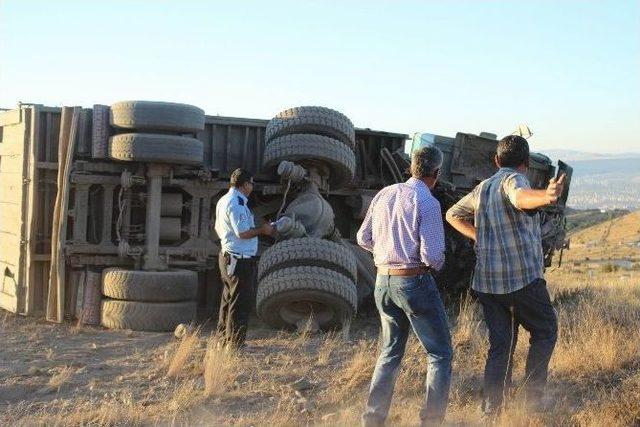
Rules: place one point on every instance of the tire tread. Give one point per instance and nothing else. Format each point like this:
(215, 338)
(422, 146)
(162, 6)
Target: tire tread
(308, 251)
(146, 316)
(312, 120)
(149, 286)
(315, 279)
(162, 116)
(156, 148)
(308, 148)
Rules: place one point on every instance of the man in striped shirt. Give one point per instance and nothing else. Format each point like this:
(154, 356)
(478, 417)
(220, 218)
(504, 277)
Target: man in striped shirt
(403, 228)
(499, 215)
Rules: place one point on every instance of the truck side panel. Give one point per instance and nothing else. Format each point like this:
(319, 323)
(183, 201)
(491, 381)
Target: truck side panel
(13, 203)
(230, 143)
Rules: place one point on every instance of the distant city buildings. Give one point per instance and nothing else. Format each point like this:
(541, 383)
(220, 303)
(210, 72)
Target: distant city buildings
(607, 191)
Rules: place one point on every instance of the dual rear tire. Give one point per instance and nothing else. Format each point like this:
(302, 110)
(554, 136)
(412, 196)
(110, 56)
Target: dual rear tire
(155, 132)
(313, 137)
(148, 300)
(307, 278)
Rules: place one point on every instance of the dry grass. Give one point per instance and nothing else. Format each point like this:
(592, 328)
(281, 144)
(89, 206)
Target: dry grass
(597, 314)
(185, 396)
(357, 371)
(184, 352)
(308, 329)
(594, 380)
(220, 364)
(596, 343)
(328, 346)
(60, 379)
(618, 406)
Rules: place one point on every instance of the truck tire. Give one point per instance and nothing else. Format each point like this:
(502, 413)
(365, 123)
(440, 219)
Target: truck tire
(149, 286)
(312, 120)
(156, 148)
(313, 150)
(164, 116)
(290, 295)
(308, 251)
(146, 316)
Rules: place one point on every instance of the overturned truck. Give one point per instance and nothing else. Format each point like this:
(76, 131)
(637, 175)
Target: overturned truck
(107, 212)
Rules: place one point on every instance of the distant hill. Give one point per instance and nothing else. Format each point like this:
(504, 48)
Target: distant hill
(617, 166)
(607, 246)
(574, 155)
(581, 219)
(602, 181)
(622, 230)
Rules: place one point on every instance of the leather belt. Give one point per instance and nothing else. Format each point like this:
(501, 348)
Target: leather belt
(415, 271)
(238, 256)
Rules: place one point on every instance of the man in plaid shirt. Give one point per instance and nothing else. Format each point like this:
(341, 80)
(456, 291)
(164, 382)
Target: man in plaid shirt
(403, 228)
(499, 215)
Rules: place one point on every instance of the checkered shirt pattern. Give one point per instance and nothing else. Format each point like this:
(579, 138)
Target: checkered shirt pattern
(403, 227)
(509, 245)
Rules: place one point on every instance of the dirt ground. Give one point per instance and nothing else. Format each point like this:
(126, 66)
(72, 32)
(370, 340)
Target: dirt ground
(43, 363)
(68, 375)
(59, 374)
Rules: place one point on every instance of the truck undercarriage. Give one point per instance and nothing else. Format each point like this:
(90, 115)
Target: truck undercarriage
(107, 212)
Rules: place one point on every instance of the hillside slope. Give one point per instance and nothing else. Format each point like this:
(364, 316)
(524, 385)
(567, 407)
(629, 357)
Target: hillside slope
(616, 241)
(624, 229)
(582, 219)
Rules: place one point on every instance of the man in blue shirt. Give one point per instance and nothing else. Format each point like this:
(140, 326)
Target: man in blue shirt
(238, 234)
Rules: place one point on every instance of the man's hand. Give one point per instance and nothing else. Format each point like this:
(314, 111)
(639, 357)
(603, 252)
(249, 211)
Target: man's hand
(267, 229)
(554, 189)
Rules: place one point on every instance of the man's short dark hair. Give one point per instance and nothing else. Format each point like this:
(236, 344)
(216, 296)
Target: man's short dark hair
(512, 151)
(240, 177)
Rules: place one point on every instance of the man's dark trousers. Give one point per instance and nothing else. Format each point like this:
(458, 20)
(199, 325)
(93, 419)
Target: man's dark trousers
(237, 297)
(503, 313)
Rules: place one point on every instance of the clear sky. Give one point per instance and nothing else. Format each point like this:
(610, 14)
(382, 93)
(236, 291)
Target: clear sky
(568, 69)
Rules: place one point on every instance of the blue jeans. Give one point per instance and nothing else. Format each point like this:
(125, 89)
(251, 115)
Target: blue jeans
(529, 307)
(404, 303)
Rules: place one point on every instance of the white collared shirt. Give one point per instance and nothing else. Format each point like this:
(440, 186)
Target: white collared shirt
(232, 218)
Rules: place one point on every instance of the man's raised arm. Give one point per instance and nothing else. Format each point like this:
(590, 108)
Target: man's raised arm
(526, 198)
